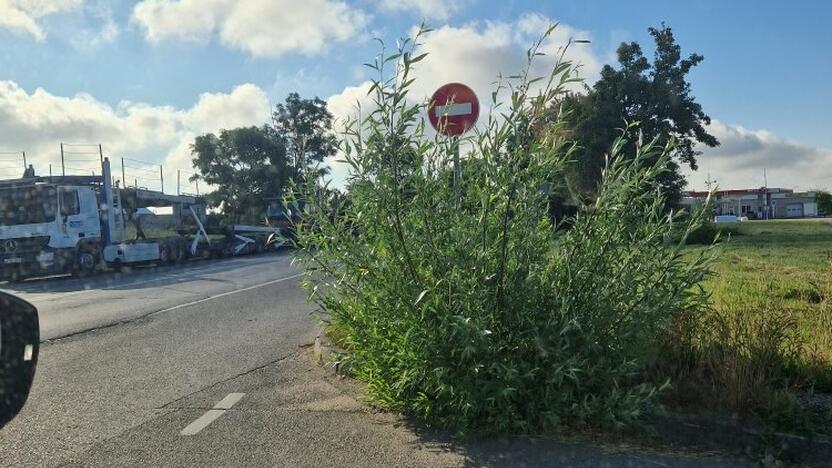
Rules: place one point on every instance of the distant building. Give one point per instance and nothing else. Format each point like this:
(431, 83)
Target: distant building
(760, 203)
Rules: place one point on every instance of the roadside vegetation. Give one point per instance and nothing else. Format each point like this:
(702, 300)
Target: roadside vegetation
(468, 305)
(454, 305)
(767, 339)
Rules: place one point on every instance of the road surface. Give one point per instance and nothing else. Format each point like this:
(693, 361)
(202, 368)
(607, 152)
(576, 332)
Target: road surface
(210, 365)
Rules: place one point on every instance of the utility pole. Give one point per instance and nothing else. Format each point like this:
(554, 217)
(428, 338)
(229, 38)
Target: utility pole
(178, 179)
(63, 166)
(123, 177)
(162, 178)
(100, 153)
(25, 166)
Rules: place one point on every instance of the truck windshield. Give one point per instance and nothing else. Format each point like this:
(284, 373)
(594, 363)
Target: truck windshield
(27, 205)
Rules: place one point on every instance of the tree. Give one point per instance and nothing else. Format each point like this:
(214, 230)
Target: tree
(305, 128)
(656, 95)
(245, 165)
(824, 201)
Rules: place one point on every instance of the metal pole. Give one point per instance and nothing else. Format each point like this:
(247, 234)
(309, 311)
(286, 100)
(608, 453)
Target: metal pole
(100, 153)
(197, 186)
(50, 169)
(178, 178)
(63, 166)
(25, 166)
(136, 183)
(457, 172)
(162, 178)
(123, 177)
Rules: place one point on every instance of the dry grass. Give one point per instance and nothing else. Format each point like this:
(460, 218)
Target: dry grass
(769, 332)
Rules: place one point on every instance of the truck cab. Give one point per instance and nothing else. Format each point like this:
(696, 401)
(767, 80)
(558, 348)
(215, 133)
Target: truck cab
(44, 227)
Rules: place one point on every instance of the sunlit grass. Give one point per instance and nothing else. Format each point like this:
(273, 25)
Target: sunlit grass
(783, 267)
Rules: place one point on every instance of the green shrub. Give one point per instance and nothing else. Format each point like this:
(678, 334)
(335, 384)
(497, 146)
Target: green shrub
(460, 304)
(708, 233)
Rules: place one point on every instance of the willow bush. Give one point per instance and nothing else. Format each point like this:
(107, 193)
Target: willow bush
(462, 304)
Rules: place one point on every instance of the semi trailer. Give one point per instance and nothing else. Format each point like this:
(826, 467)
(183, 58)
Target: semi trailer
(79, 224)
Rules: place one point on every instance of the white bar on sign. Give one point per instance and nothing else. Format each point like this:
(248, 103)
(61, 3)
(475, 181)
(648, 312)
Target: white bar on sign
(451, 110)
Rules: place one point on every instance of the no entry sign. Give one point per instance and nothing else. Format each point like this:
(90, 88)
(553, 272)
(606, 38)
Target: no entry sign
(453, 109)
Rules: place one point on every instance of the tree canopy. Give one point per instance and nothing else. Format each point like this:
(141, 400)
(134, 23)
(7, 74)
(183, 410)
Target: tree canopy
(249, 165)
(245, 165)
(656, 95)
(824, 201)
(305, 129)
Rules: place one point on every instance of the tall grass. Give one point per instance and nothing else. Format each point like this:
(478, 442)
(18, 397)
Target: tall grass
(461, 304)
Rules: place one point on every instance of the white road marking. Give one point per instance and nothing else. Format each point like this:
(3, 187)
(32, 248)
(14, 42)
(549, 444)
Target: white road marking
(230, 400)
(212, 414)
(463, 108)
(228, 293)
(202, 422)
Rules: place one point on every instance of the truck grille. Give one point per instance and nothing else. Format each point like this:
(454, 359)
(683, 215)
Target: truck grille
(23, 244)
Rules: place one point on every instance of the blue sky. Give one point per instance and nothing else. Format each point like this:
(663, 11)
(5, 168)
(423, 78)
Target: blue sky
(114, 66)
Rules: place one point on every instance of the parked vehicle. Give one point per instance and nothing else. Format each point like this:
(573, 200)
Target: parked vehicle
(78, 224)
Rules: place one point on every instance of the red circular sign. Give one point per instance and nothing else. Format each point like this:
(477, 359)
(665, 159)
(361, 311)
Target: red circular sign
(453, 109)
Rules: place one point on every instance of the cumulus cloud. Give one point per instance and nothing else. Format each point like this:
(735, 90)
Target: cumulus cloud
(22, 16)
(261, 28)
(37, 122)
(744, 153)
(350, 103)
(427, 9)
(477, 54)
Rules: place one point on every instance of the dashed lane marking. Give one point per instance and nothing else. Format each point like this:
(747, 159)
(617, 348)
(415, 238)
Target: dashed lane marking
(212, 414)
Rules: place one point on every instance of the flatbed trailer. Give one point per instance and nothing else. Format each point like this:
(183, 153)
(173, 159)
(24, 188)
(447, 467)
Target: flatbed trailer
(78, 224)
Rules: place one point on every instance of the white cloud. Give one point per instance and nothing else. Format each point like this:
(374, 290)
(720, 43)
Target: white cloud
(477, 53)
(22, 15)
(105, 31)
(38, 121)
(261, 28)
(426, 9)
(350, 103)
(743, 154)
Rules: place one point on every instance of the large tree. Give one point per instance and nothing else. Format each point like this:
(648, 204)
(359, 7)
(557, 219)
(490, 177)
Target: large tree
(656, 95)
(245, 166)
(305, 127)
(251, 165)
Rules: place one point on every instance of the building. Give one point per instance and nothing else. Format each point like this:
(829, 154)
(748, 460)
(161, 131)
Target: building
(760, 203)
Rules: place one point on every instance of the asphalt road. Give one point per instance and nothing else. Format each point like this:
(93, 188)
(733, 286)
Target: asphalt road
(210, 365)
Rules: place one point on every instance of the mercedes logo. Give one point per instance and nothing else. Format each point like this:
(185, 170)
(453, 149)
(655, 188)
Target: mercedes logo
(10, 245)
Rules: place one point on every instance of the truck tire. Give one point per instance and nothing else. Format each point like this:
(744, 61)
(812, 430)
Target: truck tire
(86, 261)
(181, 253)
(165, 254)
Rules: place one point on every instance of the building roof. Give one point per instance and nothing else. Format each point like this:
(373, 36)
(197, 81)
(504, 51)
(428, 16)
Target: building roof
(748, 191)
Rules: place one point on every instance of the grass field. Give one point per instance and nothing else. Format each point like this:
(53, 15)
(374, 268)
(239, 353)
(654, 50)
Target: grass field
(772, 297)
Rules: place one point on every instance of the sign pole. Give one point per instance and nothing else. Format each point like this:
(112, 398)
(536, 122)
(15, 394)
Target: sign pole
(457, 168)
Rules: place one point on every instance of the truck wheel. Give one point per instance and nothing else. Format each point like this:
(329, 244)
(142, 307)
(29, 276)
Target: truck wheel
(165, 255)
(181, 252)
(86, 262)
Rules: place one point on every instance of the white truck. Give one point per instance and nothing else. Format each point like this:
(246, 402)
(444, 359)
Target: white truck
(78, 224)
